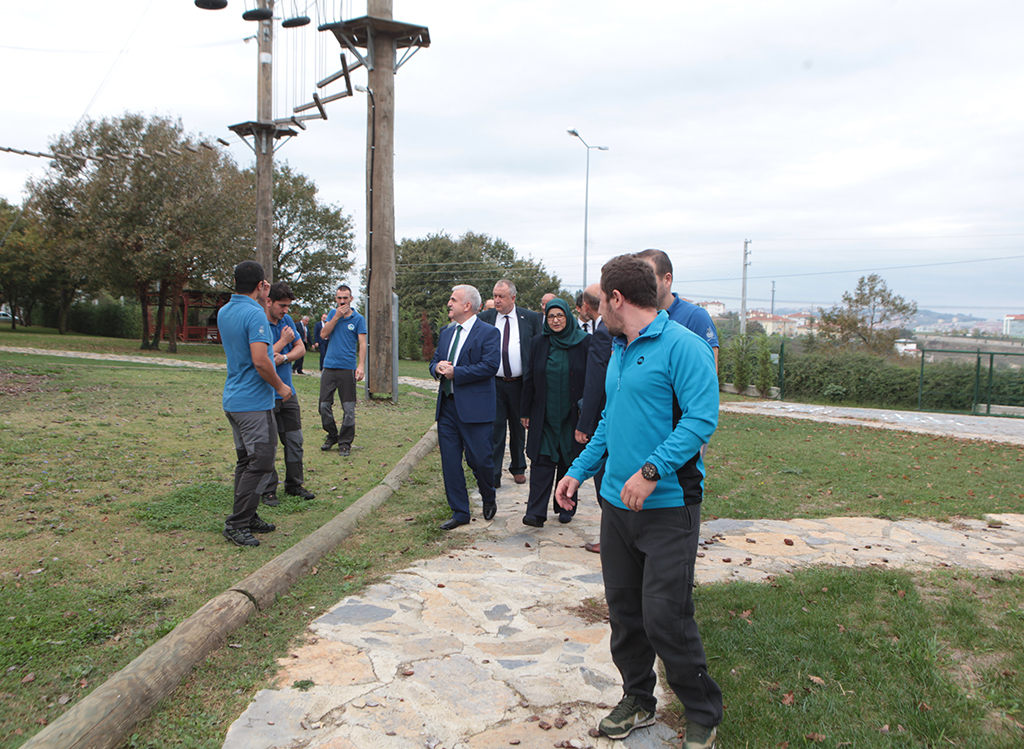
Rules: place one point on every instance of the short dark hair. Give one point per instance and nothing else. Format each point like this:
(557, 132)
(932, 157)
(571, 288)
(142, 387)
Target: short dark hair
(248, 275)
(633, 277)
(281, 290)
(662, 264)
(579, 299)
(343, 287)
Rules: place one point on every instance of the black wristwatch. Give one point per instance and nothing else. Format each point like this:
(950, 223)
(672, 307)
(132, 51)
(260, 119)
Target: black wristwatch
(650, 472)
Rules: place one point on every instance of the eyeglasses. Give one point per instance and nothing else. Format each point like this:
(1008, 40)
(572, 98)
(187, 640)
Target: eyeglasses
(556, 316)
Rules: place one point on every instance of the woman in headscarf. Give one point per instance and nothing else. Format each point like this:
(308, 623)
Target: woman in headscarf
(552, 389)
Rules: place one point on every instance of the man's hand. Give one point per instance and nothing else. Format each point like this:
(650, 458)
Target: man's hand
(284, 391)
(564, 491)
(279, 358)
(445, 369)
(288, 334)
(581, 437)
(636, 490)
(525, 423)
(359, 374)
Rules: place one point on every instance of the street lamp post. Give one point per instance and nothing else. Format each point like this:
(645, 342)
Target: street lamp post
(586, 199)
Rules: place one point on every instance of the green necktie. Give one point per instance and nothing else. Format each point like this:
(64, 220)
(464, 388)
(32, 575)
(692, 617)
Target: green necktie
(446, 384)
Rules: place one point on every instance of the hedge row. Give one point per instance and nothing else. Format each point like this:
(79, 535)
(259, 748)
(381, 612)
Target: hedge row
(110, 319)
(866, 380)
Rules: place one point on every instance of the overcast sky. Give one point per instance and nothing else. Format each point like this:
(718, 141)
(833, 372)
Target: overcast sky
(841, 138)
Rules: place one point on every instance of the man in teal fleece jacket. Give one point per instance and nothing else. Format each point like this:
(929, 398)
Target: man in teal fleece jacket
(662, 406)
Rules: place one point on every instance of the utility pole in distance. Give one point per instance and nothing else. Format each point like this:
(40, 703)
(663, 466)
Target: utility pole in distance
(743, 292)
(773, 299)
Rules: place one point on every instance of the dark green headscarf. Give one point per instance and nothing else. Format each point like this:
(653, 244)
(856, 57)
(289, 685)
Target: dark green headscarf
(571, 335)
(557, 436)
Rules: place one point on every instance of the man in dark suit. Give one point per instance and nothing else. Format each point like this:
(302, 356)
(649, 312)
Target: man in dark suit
(303, 328)
(593, 392)
(517, 327)
(320, 344)
(467, 357)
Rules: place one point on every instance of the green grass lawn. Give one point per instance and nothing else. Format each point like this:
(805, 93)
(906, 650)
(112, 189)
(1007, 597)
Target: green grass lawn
(117, 478)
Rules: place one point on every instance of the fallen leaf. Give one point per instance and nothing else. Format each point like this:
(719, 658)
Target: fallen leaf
(815, 737)
(29, 678)
(817, 680)
(884, 729)
(788, 698)
(544, 725)
(64, 699)
(924, 707)
(788, 541)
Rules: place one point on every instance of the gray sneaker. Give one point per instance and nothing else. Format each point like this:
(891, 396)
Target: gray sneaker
(259, 525)
(699, 737)
(241, 537)
(626, 716)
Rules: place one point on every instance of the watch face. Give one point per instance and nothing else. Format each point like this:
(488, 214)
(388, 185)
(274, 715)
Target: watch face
(650, 472)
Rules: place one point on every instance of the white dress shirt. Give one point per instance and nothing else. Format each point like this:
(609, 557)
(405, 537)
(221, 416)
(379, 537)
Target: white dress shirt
(515, 354)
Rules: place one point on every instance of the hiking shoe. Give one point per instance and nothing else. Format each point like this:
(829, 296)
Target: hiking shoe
(329, 442)
(270, 499)
(259, 525)
(241, 537)
(626, 716)
(302, 493)
(699, 737)
(344, 450)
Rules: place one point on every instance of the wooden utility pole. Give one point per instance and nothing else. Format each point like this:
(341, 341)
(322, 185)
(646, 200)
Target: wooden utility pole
(263, 145)
(264, 132)
(381, 37)
(380, 204)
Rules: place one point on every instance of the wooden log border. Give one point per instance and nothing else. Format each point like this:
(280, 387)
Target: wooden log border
(107, 715)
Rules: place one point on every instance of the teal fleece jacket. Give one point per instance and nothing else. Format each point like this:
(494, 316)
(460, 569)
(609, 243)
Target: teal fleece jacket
(662, 406)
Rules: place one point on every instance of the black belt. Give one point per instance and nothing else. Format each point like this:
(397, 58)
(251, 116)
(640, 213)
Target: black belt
(511, 379)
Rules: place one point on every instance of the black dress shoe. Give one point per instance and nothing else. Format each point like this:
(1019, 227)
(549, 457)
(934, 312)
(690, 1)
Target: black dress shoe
(301, 492)
(329, 442)
(531, 520)
(452, 524)
(490, 510)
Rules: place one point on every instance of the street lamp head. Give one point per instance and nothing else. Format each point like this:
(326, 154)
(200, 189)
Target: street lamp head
(362, 89)
(212, 4)
(573, 133)
(602, 148)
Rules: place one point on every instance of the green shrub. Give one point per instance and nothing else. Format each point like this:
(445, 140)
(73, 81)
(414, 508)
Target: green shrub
(765, 374)
(111, 319)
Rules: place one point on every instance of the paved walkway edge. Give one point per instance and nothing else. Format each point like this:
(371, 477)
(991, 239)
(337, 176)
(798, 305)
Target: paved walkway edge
(108, 714)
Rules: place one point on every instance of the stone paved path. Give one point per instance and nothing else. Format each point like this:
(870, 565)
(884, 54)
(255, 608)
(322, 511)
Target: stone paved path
(491, 646)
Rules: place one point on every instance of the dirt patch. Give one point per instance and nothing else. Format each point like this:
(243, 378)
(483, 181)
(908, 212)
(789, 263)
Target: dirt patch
(969, 669)
(20, 384)
(590, 610)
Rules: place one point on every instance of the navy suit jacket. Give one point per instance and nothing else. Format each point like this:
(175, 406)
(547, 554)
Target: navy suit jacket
(530, 324)
(593, 392)
(474, 372)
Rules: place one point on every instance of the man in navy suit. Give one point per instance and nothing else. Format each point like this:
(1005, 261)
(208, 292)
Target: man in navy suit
(517, 327)
(466, 360)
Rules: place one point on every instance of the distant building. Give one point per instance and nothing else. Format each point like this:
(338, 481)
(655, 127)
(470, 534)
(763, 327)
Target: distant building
(1013, 325)
(907, 347)
(772, 324)
(715, 309)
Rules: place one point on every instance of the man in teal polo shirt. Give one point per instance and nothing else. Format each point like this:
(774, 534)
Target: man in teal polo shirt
(344, 362)
(249, 398)
(288, 348)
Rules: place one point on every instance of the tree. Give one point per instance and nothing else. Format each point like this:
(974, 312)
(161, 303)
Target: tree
(870, 317)
(313, 241)
(428, 268)
(20, 275)
(134, 221)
